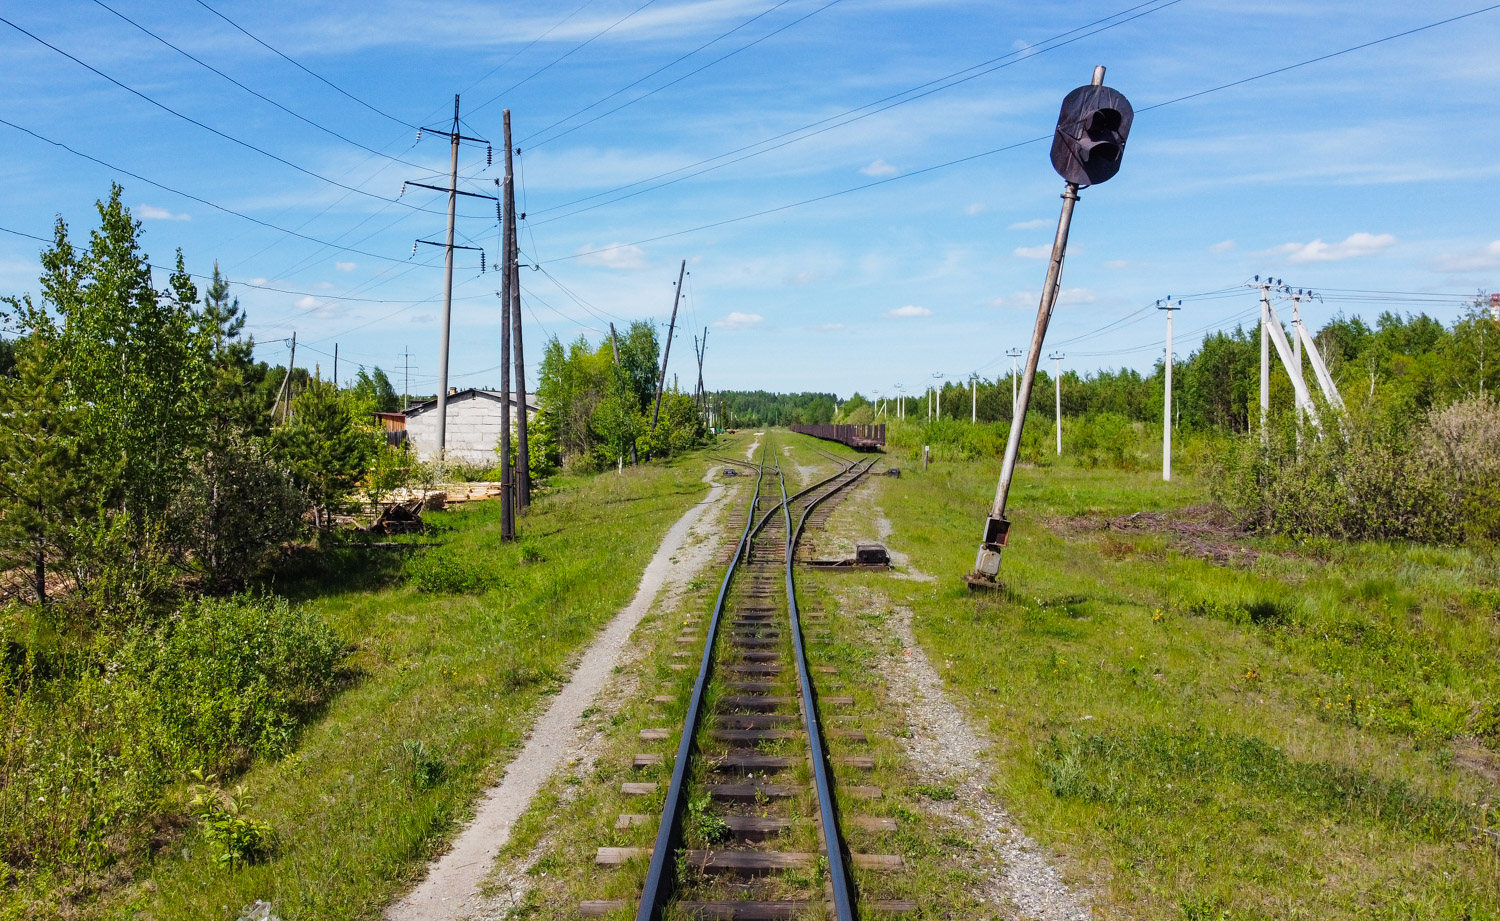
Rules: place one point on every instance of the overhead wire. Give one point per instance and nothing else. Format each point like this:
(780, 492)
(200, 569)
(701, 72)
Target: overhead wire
(258, 95)
(303, 68)
(564, 56)
(691, 73)
(988, 153)
(859, 112)
(206, 127)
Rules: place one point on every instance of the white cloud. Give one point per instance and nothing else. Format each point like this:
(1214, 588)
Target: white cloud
(737, 320)
(830, 327)
(910, 310)
(1031, 225)
(259, 282)
(805, 277)
(1034, 252)
(345, 266)
(1352, 247)
(880, 169)
(1116, 264)
(623, 256)
(153, 213)
(1223, 246)
(1031, 299)
(974, 209)
(1475, 261)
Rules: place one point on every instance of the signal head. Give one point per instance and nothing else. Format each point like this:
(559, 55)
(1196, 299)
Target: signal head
(1092, 127)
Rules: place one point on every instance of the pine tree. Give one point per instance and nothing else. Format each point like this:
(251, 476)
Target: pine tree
(326, 447)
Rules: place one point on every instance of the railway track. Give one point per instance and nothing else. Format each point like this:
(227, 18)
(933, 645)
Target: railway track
(751, 825)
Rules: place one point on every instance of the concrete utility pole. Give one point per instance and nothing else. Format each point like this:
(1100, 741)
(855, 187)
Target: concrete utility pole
(1265, 358)
(1015, 373)
(1087, 148)
(406, 384)
(1057, 381)
(937, 390)
(667, 352)
(974, 398)
(455, 137)
(1166, 413)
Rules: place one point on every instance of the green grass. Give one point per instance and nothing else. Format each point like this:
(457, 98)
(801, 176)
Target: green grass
(1288, 737)
(446, 682)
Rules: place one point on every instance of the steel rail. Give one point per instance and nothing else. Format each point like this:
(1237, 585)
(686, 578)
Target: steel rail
(660, 878)
(798, 495)
(833, 838)
(838, 870)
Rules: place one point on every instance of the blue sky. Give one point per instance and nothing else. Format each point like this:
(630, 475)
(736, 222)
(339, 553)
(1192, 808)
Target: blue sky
(1373, 170)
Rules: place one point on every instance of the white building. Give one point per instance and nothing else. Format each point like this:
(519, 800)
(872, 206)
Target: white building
(473, 426)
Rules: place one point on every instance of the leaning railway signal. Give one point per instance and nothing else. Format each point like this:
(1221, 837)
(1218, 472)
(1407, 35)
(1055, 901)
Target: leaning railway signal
(1087, 148)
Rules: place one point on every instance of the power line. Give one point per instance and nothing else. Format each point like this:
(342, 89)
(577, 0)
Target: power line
(257, 95)
(498, 67)
(305, 70)
(1008, 147)
(188, 118)
(671, 83)
(859, 112)
(565, 55)
(192, 197)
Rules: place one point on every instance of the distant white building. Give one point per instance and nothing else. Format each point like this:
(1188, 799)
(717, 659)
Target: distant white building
(473, 426)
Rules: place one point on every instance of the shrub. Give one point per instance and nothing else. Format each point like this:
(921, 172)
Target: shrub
(440, 571)
(236, 838)
(226, 677)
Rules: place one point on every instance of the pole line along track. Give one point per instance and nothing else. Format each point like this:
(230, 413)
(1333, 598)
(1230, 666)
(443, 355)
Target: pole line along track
(743, 848)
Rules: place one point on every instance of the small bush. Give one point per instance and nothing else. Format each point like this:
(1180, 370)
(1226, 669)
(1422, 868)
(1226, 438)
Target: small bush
(236, 838)
(425, 769)
(440, 571)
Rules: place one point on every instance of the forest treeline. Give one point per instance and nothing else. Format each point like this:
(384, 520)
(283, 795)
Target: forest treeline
(1415, 453)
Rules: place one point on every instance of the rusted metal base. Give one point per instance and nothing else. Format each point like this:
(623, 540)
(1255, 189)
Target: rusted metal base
(979, 583)
(846, 565)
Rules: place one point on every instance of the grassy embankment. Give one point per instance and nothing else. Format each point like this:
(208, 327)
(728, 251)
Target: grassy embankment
(1306, 731)
(452, 652)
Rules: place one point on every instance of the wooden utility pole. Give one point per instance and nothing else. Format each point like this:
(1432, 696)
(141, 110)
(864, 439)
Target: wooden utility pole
(507, 297)
(667, 352)
(336, 363)
(522, 471)
(614, 341)
(286, 382)
(698, 394)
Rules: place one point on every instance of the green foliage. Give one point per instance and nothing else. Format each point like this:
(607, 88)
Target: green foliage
(238, 506)
(232, 676)
(236, 838)
(425, 769)
(327, 447)
(98, 733)
(376, 391)
(1375, 472)
(439, 571)
(704, 824)
(42, 491)
(1162, 770)
(759, 407)
(594, 411)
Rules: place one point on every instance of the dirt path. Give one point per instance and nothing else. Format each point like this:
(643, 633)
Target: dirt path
(451, 889)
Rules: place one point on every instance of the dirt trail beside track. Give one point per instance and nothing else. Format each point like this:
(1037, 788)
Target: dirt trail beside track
(451, 889)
